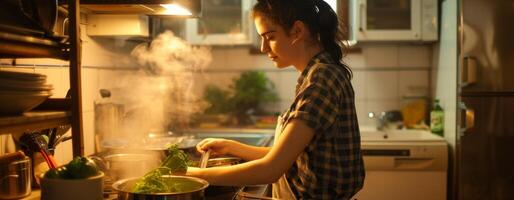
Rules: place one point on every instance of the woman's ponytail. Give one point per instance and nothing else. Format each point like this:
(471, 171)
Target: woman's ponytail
(331, 32)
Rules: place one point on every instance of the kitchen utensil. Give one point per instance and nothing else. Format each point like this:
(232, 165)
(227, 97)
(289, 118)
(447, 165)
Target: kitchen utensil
(108, 117)
(62, 138)
(205, 158)
(76, 189)
(125, 187)
(15, 176)
(36, 143)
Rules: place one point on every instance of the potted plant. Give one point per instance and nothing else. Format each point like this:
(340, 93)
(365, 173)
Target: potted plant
(245, 97)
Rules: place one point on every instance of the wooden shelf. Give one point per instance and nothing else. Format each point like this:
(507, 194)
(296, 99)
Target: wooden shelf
(20, 45)
(23, 46)
(32, 121)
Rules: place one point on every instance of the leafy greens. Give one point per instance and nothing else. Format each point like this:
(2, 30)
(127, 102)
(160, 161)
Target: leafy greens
(153, 181)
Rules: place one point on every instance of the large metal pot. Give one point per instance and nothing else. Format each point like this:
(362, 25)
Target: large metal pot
(125, 188)
(15, 178)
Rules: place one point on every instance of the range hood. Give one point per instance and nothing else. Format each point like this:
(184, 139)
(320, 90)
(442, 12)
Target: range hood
(185, 8)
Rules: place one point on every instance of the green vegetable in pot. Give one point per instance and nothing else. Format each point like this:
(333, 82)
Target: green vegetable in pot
(60, 172)
(176, 160)
(78, 168)
(153, 182)
(82, 167)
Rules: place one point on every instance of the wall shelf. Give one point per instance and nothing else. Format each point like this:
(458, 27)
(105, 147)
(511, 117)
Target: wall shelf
(60, 112)
(23, 46)
(30, 121)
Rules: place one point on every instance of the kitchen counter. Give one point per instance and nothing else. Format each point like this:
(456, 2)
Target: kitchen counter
(258, 190)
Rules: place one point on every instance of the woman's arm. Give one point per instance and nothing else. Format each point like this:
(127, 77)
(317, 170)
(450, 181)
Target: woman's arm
(247, 152)
(221, 147)
(268, 169)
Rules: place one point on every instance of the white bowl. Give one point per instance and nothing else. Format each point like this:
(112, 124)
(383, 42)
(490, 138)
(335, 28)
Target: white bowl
(22, 76)
(40, 87)
(73, 189)
(19, 102)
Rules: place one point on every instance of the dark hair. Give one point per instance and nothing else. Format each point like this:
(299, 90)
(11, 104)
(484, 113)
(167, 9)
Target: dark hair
(317, 15)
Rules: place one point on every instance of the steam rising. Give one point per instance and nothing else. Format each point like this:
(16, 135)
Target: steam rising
(172, 54)
(159, 97)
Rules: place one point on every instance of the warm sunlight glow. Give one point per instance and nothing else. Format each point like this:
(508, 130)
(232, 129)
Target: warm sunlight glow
(174, 9)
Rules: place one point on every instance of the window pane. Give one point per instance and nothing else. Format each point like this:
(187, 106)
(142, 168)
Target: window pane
(220, 17)
(388, 14)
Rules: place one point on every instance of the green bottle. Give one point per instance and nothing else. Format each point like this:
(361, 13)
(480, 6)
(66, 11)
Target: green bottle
(437, 119)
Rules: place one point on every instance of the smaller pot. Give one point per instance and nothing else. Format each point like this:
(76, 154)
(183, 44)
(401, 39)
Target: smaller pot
(15, 179)
(196, 192)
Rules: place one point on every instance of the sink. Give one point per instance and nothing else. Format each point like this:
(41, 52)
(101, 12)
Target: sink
(401, 135)
(255, 137)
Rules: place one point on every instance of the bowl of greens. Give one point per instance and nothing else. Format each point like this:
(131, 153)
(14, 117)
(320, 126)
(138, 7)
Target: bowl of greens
(161, 187)
(159, 183)
(80, 179)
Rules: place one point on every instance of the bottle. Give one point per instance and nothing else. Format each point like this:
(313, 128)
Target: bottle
(437, 119)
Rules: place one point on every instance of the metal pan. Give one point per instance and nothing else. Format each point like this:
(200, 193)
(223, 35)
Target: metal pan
(125, 187)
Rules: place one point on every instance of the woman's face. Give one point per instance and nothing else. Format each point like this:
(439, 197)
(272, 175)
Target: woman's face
(275, 42)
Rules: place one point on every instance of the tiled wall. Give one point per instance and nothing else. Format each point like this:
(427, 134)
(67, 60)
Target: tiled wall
(385, 76)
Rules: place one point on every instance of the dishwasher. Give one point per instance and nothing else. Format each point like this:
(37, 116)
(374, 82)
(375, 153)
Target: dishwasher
(404, 167)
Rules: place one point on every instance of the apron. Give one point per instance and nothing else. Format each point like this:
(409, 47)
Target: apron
(281, 189)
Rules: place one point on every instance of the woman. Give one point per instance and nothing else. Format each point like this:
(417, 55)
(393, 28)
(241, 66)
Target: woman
(316, 153)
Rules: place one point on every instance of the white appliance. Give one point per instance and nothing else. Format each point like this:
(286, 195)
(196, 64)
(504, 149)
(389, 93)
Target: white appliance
(404, 165)
(394, 20)
(117, 25)
(222, 23)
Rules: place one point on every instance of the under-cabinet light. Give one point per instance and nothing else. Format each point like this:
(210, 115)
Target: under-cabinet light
(175, 9)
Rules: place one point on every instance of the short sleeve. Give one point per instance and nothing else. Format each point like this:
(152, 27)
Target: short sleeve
(316, 101)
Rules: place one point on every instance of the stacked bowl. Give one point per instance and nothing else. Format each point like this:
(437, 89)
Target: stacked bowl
(21, 92)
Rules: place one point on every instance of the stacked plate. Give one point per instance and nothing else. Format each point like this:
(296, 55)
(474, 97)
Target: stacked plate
(20, 92)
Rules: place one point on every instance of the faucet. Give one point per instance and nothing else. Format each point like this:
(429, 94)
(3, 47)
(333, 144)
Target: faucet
(379, 122)
(387, 120)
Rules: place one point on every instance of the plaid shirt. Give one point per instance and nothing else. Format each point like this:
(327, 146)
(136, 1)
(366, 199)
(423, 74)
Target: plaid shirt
(331, 166)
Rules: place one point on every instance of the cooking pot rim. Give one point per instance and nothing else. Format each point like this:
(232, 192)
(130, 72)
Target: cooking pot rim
(116, 185)
(25, 160)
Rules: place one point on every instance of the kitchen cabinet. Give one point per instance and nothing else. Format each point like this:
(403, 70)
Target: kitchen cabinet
(223, 22)
(58, 112)
(342, 8)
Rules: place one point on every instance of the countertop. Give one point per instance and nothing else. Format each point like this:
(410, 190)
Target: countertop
(258, 190)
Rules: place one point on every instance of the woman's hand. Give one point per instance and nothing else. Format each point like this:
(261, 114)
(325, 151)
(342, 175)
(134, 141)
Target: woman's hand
(218, 146)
